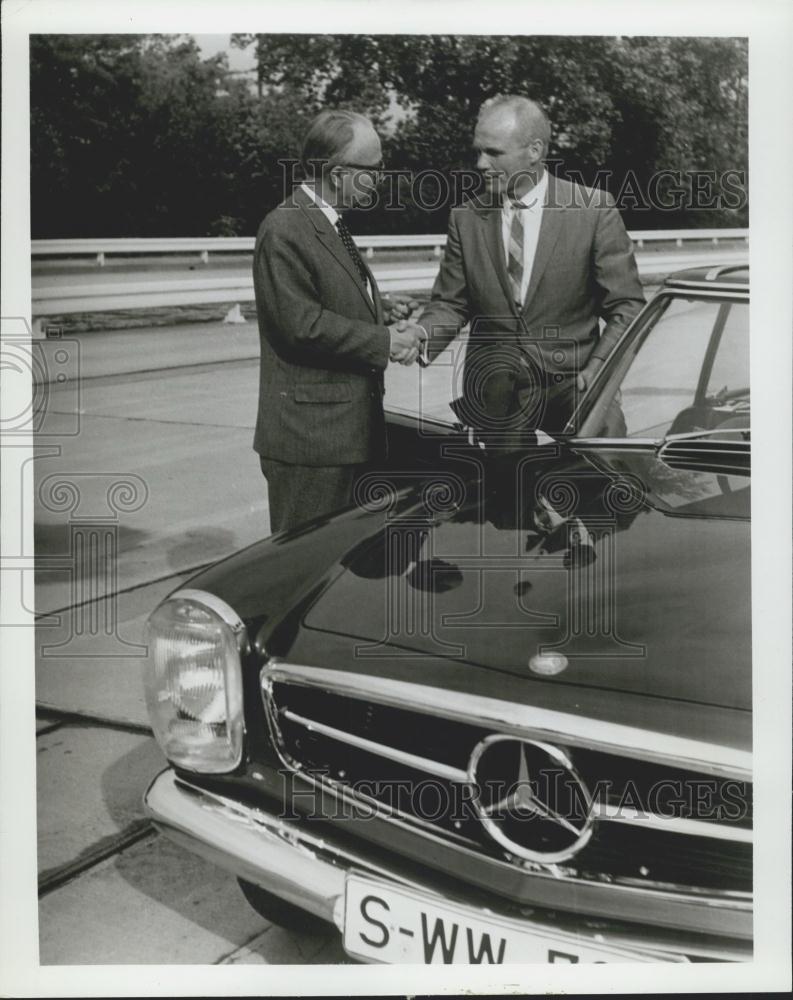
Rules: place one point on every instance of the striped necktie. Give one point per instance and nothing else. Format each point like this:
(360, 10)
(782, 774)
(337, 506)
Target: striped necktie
(350, 247)
(515, 252)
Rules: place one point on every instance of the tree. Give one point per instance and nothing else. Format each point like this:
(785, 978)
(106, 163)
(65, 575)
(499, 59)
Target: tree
(139, 135)
(131, 135)
(323, 70)
(621, 108)
(85, 101)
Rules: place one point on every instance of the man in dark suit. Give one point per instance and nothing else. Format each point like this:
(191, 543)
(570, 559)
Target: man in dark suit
(324, 338)
(533, 265)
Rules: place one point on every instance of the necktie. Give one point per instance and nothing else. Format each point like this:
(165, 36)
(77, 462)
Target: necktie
(515, 253)
(351, 248)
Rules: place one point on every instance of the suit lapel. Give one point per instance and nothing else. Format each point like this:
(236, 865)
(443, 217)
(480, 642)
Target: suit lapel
(550, 227)
(491, 225)
(331, 241)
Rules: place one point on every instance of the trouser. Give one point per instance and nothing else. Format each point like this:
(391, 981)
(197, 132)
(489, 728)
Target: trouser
(299, 493)
(559, 396)
(548, 402)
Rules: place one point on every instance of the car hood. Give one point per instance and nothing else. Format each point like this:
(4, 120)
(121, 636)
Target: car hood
(634, 575)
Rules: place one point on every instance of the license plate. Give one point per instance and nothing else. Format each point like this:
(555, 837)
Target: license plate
(394, 925)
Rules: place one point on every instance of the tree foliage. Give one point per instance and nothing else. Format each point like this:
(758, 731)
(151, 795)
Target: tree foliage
(140, 135)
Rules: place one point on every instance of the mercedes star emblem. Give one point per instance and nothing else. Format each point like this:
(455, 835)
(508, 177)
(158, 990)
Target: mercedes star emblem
(530, 798)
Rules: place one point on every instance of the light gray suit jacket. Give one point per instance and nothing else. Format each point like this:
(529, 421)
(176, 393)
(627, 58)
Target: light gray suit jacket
(324, 343)
(584, 270)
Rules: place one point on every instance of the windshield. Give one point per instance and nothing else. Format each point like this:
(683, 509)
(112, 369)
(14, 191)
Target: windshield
(685, 371)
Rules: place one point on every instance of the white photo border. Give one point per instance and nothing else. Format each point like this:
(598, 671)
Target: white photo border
(768, 24)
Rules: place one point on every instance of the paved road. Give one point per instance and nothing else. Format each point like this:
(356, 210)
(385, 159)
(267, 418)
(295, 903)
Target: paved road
(112, 889)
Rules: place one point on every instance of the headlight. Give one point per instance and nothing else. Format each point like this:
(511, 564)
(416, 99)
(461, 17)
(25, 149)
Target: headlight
(194, 681)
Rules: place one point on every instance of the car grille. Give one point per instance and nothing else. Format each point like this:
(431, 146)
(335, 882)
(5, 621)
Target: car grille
(651, 823)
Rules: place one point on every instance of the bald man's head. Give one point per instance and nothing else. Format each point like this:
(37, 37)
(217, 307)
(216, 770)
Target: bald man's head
(342, 156)
(336, 134)
(519, 119)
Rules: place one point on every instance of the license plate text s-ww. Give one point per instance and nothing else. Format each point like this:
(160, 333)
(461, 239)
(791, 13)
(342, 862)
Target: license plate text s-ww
(436, 938)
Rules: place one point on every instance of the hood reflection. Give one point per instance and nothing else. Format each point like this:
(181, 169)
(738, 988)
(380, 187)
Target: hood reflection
(549, 514)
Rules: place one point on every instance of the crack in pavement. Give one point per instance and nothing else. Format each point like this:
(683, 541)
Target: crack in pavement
(186, 572)
(106, 847)
(99, 721)
(150, 420)
(228, 957)
(152, 374)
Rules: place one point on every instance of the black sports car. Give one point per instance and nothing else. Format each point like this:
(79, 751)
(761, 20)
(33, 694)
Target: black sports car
(500, 709)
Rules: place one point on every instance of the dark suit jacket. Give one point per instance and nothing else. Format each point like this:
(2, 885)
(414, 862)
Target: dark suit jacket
(584, 270)
(324, 344)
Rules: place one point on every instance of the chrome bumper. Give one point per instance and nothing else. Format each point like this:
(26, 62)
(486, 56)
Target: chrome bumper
(256, 846)
(310, 871)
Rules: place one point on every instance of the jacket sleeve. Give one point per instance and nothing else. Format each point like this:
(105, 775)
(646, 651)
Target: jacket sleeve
(297, 315)
(616, 275)
(448, 310)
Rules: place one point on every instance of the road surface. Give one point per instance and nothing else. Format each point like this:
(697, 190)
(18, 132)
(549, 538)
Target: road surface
(112, 890)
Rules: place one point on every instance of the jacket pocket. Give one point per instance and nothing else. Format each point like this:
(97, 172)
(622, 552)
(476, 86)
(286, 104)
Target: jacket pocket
(323, 392)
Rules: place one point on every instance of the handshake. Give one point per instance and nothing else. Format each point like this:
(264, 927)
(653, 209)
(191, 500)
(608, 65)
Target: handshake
(407, 339)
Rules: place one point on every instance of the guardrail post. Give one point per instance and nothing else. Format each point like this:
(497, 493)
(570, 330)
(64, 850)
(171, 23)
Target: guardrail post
(437, 251)
(369, 253)
(640, 244)
(205, 256)
(234, 315)
(678, 242)
(100, 258)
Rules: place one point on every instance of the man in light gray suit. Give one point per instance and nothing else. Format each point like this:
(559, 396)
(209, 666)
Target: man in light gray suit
(533, 265)
(323, 333)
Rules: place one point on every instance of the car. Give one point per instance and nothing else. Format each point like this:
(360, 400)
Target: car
(499, 710)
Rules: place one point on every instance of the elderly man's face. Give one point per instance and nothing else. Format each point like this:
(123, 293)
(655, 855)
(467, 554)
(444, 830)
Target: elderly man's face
(359, 173)
(506, 159)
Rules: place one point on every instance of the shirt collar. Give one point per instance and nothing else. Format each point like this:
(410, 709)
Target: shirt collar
(328, 211)
(534, 197)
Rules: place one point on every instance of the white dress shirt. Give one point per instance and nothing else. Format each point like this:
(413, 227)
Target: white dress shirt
(332, 216)
(534, 200)
(328, 211)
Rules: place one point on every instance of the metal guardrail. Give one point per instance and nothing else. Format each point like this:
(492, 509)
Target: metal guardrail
(104, 296)
(205, 245)
(681, 236)
(101, 248)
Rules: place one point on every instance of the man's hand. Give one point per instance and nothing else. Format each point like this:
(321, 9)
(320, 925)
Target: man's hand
(585, 376)
(406, 341)
(398, 308)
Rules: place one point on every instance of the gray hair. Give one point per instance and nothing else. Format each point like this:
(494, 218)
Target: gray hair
(328, 136)
(531, 122)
